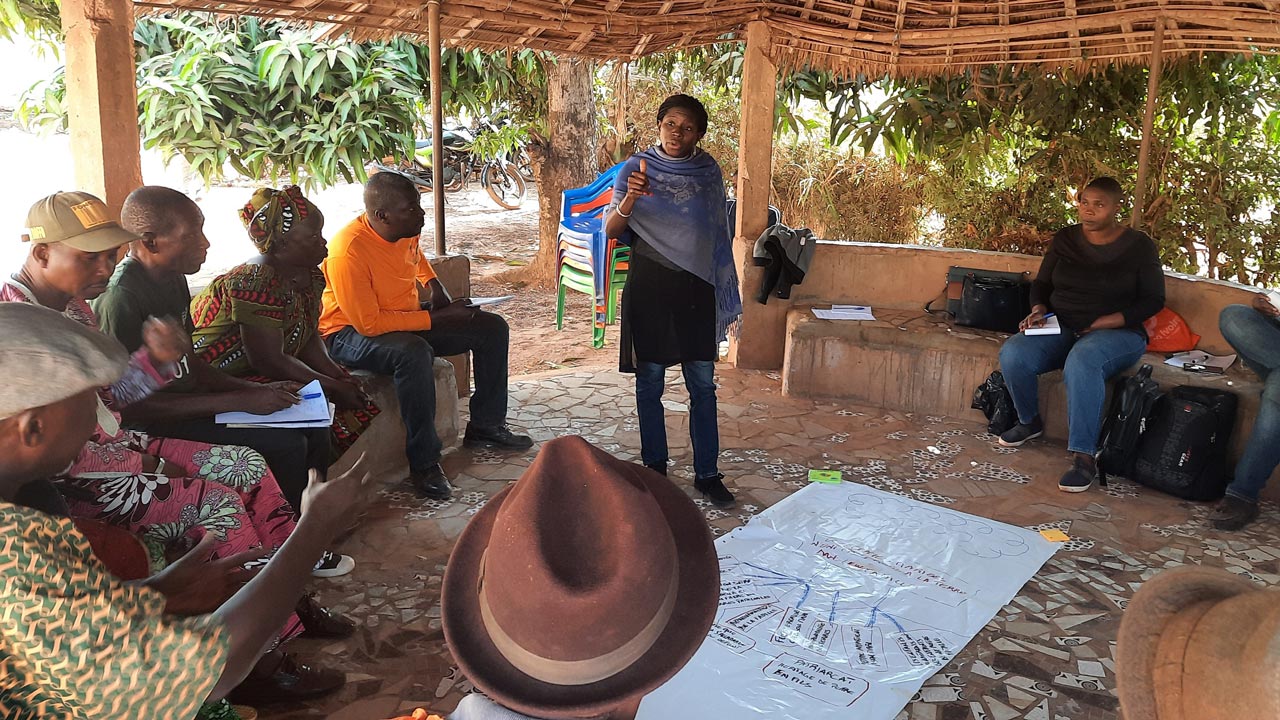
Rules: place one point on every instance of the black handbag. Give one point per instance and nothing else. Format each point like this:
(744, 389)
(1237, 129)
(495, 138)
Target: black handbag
(986, 299)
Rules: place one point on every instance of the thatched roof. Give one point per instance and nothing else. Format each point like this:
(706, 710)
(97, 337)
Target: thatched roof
(901, 37)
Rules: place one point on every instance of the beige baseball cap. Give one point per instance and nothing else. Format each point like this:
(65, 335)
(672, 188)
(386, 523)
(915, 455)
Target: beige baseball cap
(47, 357)
(77, 219)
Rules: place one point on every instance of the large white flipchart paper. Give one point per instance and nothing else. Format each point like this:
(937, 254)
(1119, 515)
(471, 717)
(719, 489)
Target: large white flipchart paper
(840, 601)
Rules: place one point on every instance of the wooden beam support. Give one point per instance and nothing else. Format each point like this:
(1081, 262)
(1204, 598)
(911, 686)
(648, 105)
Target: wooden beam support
(102, 98)
(437, 125)
(759, 343)
(1148, 121)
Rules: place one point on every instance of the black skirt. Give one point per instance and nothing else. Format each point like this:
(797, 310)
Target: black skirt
(668, 314)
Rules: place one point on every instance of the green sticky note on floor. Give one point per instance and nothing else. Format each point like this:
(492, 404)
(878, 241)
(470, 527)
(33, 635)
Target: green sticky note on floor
(827, 477)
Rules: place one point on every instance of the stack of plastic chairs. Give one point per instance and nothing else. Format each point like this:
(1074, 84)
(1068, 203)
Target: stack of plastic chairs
(587, 261)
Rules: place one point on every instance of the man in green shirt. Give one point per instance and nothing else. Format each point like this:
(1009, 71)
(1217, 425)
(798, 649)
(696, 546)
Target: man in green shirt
(151, 282)
(75, 642)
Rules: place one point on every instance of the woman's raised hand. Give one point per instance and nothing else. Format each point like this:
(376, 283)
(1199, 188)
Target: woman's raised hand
(638, 180)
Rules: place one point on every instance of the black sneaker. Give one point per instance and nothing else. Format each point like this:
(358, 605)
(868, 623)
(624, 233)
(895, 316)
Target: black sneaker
(332, 564)
(1233, 513)
(499, 438)
(1081, 476)
(1020, 433)
(713, 487)
(660, 468)
(432, 483)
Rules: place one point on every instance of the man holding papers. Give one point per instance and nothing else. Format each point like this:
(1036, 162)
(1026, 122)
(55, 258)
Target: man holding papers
(1097, 283)
(151, 281)
(375, 319)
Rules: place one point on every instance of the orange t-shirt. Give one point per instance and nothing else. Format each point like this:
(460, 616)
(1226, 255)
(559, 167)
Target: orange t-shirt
(372, 284)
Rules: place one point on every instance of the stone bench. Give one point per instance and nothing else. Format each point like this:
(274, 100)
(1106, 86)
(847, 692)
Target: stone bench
(383, 441)
(910, 361)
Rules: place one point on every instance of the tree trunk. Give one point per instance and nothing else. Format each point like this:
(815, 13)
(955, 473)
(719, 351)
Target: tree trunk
(567, 159)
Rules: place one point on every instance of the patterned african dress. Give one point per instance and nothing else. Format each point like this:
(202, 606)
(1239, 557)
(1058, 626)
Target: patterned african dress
(77, 644)
(224, 490)
(257, 295)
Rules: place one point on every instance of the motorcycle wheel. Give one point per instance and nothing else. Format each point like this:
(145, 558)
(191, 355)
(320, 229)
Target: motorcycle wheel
(504, 184)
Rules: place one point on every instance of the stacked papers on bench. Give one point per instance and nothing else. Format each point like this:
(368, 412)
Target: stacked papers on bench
(314, 411)
(845, 312)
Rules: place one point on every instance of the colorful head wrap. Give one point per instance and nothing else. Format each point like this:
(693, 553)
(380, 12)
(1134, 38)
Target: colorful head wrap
(271, 213)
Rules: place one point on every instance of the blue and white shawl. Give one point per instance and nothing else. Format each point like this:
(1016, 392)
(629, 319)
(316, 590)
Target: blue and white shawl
(684, 218)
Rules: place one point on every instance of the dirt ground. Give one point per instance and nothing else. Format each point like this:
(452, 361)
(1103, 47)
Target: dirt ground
(500, 244)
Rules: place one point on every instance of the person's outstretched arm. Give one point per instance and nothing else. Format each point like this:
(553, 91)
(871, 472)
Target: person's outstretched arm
(254, 615)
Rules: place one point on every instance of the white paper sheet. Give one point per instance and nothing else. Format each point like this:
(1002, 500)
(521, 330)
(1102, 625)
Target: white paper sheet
(314, 408)
(482, 301)
(1200, 357)
(845, 312)
(840, 601)
(1051, 327)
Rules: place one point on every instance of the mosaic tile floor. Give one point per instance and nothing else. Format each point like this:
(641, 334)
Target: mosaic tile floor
(1046, 656)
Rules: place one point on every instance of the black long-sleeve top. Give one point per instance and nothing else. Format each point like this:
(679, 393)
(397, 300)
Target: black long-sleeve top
(1081, 282)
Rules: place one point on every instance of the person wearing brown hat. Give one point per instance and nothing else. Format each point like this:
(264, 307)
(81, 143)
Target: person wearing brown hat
(74, 641)
(1200, 643)
(581, 588)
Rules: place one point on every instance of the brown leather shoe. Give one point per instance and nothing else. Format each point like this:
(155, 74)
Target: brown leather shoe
(321, 622)
(291, 681)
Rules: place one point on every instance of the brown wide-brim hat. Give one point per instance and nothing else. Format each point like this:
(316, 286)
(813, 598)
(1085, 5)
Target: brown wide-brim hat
(696, 583)
(1199, 643)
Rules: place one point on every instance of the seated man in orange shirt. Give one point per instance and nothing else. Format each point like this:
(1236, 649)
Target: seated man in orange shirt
(373, 320)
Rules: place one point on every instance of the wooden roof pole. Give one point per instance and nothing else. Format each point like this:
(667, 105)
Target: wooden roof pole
(761, 341)
(1148, 123)
(437, 125)
(102, 99)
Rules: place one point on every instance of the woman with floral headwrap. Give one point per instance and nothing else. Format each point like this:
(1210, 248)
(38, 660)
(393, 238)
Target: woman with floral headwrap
(170, 493)
(260, 319)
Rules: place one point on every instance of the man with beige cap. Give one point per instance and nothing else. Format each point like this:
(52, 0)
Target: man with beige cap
(75, 642)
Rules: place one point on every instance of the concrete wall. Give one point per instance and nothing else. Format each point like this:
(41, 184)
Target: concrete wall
(908, 276)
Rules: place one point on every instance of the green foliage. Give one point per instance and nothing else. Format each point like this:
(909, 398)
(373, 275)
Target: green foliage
(839, 195)
(36, 19)
(1006, 148)
(43, 105)
(271, 100)
(505, 141)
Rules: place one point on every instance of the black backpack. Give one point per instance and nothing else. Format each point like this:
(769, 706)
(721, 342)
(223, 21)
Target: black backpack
(993, 399)
(1184, 449)
(1131, 407)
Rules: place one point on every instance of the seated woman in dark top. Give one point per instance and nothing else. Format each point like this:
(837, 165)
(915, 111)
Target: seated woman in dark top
(1101, 279)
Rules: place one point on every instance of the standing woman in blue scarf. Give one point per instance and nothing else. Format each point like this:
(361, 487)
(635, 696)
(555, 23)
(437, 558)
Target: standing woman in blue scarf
(682, 291)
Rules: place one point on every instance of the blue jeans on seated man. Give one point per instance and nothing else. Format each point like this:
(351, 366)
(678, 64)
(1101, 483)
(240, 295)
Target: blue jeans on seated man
(1257, 339)
(699, 378)
(1087, 362)
(408, 357)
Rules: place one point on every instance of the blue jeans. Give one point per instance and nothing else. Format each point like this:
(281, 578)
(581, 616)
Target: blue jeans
(1087, 363)
(408, 358)
(699, 378)
(1257, 339)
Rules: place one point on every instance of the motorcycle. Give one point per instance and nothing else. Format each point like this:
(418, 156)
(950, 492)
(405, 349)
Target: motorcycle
(500, 177)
